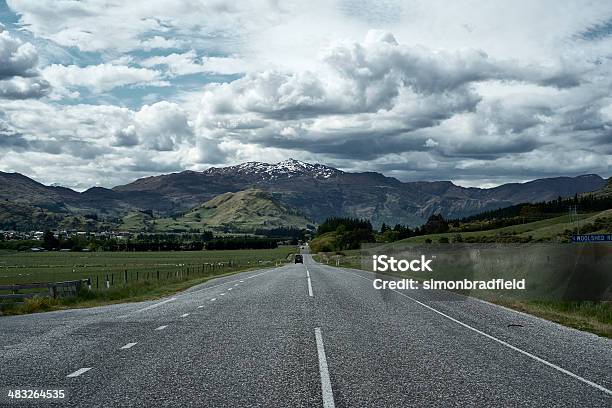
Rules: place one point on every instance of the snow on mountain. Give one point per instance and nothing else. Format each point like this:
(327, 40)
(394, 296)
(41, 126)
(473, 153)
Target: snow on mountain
(286, 169)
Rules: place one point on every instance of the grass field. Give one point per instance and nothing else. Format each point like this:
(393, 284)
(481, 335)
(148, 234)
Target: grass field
(543, 230)
(26, 267)
(149, 274)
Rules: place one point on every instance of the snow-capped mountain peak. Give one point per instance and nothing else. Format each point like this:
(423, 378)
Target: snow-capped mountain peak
(285, 169)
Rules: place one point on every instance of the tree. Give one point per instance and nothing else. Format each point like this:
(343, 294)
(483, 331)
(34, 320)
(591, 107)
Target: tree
(49, 240)
(435, 224)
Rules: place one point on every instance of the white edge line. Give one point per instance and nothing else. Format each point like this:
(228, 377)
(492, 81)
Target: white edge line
(310, 288)
(510, 346)
(79, 372)
(128, 346)
(326, 388)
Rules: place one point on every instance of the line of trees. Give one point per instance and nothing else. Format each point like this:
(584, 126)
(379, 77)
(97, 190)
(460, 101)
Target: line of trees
(242, 243)
(543, 209)
(435, 224)
(349, 224)
(340, 233)
(348, 233)
(281, 232)
(141, 242)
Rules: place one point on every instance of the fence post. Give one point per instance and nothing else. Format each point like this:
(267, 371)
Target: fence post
(125, 276)
(89, 283)
(157, 275)
(136, 276)
(112, 279)
(97, 283)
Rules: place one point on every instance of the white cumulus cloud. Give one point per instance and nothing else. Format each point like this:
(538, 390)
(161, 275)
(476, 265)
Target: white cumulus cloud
(99, 78)
(19, 76)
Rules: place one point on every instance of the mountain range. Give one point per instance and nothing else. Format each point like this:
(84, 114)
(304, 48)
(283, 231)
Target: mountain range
(291, 189)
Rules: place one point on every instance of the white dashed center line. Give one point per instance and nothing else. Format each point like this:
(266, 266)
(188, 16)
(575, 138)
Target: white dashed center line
(213, 299)
(78, 372)
(229, 289)
(223, 294)
(200, 307)
(152, 306)
(128, 346)
(185, 315)
(161, 327)
(326, 388)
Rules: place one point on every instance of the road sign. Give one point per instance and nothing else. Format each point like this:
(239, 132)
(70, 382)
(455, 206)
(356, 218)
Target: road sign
(592, 238)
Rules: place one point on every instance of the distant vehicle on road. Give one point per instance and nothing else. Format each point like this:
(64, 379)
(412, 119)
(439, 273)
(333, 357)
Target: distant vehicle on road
(299, 259)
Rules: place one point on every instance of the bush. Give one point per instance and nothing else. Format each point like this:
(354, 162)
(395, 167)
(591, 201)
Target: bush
(39, 304)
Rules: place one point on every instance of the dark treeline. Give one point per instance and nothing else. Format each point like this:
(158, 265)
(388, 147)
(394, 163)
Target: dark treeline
(349, 233)
(544, 209)
(18, 244)
(141, 242)
(294, 233)
(144, 242)
(242, 243)
(436, 224)
(349, 224)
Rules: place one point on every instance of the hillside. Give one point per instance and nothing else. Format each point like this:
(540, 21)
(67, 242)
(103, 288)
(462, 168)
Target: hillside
(314, 190)
(605, 191)
(320, 192)
(246, 211)
(552, 229)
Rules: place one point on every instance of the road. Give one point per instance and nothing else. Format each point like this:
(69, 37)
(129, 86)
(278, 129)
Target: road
(303, 335)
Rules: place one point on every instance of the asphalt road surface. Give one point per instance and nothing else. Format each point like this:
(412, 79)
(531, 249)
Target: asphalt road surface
(303, 335)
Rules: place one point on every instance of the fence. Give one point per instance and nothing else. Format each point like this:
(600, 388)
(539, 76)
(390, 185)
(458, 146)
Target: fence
(103, 281)
(52, 289)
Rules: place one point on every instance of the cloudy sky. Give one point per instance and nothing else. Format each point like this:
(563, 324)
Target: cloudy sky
(100, 92)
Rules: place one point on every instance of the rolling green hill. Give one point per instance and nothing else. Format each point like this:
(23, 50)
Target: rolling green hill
(245, 211)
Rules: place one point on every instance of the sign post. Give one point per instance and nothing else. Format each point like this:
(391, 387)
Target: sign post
(592, 238)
